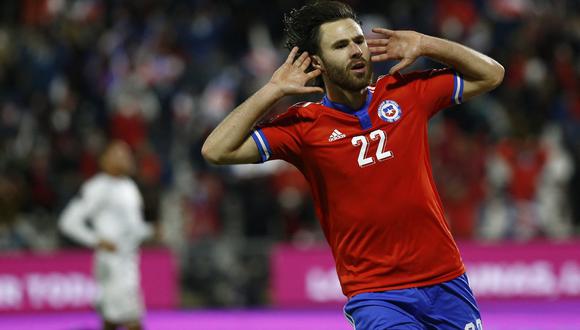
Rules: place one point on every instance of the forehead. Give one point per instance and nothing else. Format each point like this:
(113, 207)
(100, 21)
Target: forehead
(118, 149)
(342, 29)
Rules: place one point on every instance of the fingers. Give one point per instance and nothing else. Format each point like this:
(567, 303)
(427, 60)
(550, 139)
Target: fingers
(385, 32)
(305, 63)
(383, 57)
(401, 65)
(301, 59)
(377, 42)
(292, 55)
(307, 90)
(378, 58)
(313, 74)
(381, 41)
(311, 89)
(378, 49)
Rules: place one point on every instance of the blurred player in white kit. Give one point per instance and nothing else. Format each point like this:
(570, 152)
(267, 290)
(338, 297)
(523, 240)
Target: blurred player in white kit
(112, 203)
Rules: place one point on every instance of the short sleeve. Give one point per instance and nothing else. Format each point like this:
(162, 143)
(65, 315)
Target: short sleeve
(438, 88)
(73, 217)
(280, 138)
(92, 195)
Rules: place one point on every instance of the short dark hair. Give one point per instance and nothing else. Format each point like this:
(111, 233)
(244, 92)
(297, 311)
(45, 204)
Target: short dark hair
(302, 25)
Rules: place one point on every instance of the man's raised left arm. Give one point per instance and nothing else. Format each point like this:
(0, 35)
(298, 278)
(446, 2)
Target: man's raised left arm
(480, 72)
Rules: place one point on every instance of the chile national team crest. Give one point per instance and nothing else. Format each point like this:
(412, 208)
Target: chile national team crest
(390, 111)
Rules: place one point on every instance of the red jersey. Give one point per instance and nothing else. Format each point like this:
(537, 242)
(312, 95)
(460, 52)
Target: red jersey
(370, 175)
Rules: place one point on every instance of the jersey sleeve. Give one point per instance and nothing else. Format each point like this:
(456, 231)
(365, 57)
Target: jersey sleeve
(141, 230)
(72, 221)
(438, 88)
(280, 138)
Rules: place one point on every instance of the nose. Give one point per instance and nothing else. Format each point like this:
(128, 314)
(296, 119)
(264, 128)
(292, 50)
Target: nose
(356, 50)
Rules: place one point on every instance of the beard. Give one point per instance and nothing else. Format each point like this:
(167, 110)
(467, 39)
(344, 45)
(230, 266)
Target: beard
(345, 78)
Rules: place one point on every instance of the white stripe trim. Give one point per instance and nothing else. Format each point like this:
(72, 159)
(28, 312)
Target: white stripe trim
(259, 136)
(457, 88)
(349, 318)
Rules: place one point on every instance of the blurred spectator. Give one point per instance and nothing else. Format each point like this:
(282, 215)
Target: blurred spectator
(458, 161)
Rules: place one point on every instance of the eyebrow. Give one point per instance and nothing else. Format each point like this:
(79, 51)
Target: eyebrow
(338, 42)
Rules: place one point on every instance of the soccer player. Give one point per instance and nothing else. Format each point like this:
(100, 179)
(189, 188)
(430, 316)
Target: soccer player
(113, 204)
(363, 149)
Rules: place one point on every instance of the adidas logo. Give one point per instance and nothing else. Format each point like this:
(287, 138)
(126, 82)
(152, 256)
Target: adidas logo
(336, 135)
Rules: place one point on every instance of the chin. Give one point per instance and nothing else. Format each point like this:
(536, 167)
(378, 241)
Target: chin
(363, 81)
(350, 82)
(360, 83)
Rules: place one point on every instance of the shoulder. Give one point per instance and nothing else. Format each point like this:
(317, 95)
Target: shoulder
(94, 186)
(404, 79)
(132, 184)
(427, 74)
(95, 181)
(131, 188)
(391, 81)
(301, 112)
(305, 109)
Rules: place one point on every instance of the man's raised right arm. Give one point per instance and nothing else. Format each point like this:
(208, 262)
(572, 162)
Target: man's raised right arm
(229, 142)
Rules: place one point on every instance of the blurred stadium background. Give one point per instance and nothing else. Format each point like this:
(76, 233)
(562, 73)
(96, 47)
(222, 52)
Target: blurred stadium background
(240, 247)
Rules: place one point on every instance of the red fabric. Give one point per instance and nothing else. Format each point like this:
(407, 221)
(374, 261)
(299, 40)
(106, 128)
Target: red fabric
(35, 12)
(564, 68)
(384, 221)
(575, 107)
(204, 208)
(131, 129)
(149, 167)
(516, 71)
(89, 164)
(464, 11)
(526, 161)
(459, 166)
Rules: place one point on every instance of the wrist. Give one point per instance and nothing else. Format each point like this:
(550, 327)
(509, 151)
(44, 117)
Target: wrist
(274, 89)
(426, 45)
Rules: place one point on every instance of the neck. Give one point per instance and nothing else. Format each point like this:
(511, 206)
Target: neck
(352, 99)
(117, 173)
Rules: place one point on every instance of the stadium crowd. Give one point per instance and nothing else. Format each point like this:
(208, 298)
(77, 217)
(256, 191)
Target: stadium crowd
(160, 75)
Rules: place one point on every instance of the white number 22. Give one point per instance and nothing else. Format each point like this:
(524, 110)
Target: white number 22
(381, 154)
(476, 326)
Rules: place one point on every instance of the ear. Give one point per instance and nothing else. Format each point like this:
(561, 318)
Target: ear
(317, 63)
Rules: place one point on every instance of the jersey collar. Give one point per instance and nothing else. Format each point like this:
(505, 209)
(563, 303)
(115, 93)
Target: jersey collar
(345, 108)
(362, 113)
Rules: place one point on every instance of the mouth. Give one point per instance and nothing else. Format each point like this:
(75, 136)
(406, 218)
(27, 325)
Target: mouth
(358, 67)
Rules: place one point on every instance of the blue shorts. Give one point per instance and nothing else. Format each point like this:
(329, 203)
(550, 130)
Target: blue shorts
(449, 305)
